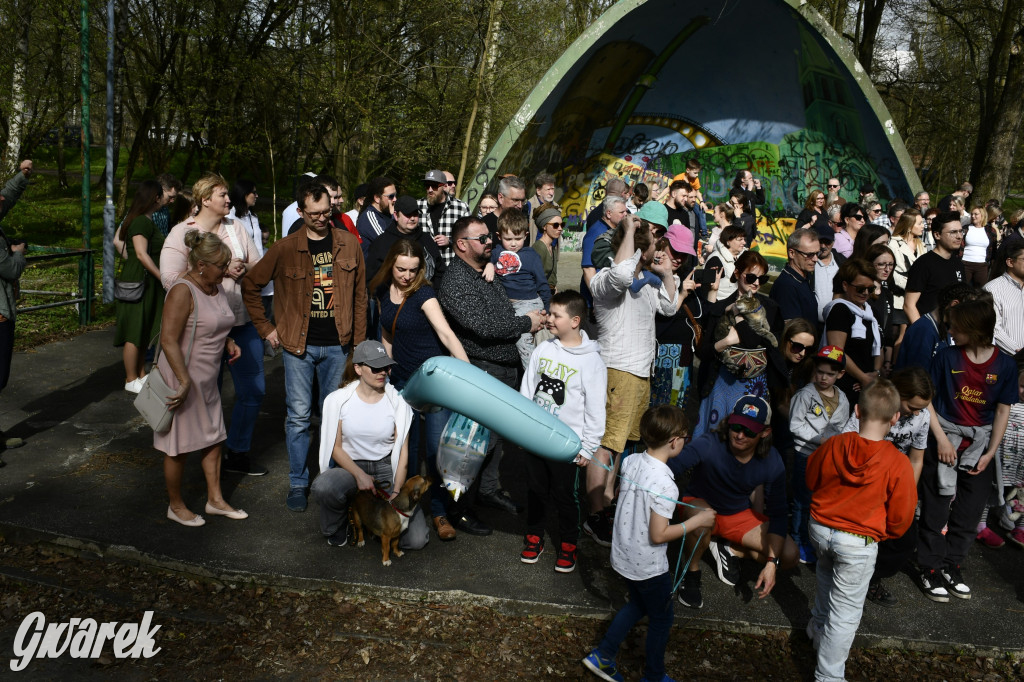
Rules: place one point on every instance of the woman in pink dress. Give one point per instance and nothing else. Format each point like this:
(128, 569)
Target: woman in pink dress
(191, 366)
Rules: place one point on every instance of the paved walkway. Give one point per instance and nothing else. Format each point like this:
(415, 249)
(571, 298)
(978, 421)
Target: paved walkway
(89, 477)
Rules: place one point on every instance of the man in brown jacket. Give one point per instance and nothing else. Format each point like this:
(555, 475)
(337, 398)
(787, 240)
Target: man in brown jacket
(320, 309)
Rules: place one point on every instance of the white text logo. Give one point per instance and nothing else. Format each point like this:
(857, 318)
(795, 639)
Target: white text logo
(81, 638)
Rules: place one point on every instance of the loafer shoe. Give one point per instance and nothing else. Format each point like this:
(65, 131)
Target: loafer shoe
(500, 499)
(239, 463)
(469, 523)
(445, 531)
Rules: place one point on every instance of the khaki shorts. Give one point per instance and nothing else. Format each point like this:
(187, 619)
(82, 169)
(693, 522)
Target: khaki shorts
(625, 403)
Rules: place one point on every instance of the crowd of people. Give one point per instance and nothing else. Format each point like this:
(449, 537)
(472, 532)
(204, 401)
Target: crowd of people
(865, 407)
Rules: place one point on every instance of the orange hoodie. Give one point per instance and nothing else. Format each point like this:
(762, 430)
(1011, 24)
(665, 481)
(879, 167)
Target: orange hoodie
(861, 486)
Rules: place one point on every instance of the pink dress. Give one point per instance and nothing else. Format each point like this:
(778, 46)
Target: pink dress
(199, 422)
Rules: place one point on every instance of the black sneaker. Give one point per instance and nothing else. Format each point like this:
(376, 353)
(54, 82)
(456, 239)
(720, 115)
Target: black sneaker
(727, 564)
(955, 582)
(689, 593)
(598, 527)
(881, 596)
(239, 463)
(931, 585)
(340, 537)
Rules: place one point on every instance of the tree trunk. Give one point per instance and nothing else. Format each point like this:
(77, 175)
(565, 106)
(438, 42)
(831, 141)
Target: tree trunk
(872, 22)
(992, 179)
(488, 74)
(17, 123)
(476, 103)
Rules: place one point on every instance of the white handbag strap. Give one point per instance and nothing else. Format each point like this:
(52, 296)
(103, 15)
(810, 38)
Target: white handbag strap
(236, 244)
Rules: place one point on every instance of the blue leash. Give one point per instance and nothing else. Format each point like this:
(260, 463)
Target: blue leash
(681, 569)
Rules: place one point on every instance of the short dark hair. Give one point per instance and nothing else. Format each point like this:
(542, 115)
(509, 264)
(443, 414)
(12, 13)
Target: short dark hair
(642, 236)
(662, 423)
(327, 181)
(850, 209)
(895, 206)
(641, 191)
(943, 219)
(168, 181)
(854, 268)
(749, 259)
(573, 301)
(376, 189)
(730, 232)
(543, 179)
(513, 222)
(680, 184)
(461, 227)
(310, 189)
(913, 382)
(693, 164)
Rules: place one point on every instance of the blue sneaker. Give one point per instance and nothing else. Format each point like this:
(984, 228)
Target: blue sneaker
(807, 554)
(296, 500)
(602, 667)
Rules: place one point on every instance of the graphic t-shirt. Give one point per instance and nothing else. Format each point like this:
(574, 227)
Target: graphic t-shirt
(322, 329)
(909, 432)
(966, 393)
(929, 274)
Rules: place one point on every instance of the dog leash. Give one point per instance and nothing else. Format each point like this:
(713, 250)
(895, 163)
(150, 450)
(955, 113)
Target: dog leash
(379, 492)
(680, 572)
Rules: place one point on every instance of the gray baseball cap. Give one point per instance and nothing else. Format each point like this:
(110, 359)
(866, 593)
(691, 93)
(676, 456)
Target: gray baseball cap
(436, 176)
(372, 354)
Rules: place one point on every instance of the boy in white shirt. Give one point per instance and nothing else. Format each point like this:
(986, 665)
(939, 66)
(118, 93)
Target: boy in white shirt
(647, 501)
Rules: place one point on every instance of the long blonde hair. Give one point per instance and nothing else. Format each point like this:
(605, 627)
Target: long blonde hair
(904, 229)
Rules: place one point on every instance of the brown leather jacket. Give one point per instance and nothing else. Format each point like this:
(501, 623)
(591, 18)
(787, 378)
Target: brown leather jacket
(288, 264)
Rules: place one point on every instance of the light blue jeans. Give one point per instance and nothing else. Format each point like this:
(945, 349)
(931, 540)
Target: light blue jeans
(327, 363)
(845, 565)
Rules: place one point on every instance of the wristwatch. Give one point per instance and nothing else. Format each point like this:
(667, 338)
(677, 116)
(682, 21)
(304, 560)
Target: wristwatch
(774, 560)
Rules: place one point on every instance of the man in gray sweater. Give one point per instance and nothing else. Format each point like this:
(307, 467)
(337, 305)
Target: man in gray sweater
(482, 317)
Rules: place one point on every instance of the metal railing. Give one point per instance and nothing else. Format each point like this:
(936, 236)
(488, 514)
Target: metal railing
(86, 276)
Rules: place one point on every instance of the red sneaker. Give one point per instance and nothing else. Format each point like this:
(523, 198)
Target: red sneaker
(533, 547)
(566, 561)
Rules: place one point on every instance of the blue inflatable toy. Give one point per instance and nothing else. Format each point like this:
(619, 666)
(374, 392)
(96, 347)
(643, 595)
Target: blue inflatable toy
(461, 387)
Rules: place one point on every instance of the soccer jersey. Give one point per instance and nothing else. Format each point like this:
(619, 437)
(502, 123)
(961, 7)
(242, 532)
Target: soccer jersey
(966, 393)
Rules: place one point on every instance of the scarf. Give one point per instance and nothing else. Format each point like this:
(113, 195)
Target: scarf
(861, 318)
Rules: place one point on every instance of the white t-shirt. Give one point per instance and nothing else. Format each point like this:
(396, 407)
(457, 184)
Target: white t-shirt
(975, 245)
(634, 556)
(909, 432)
(367, 430)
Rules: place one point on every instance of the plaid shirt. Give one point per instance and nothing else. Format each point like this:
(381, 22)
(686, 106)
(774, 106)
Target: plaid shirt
(452, 211)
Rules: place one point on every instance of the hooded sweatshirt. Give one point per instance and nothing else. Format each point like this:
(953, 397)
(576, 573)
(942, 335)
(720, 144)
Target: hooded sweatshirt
(570, 383)
(860, 486)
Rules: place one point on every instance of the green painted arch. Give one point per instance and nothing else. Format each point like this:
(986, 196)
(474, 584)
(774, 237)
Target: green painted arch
(838, 95)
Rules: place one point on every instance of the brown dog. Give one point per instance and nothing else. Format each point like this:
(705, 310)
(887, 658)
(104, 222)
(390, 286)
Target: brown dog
(386, 519)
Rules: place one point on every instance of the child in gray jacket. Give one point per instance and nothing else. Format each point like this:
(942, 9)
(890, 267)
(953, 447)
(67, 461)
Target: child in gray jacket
(817, 412)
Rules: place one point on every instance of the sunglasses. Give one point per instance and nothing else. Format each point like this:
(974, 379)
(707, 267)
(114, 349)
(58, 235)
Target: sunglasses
(556, 226)
(483, 239)
(450, 182)
(391, 196)
(434, 185)
(857, 217)
(378, 370)
(806, 254)
(739, 428)
(797, 347)
(833, 186)
(863, 290)
(750, 278)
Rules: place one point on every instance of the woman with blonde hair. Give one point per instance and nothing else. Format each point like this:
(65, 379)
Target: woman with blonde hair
(907, 245)
(194, 339)
(814, 211)
(210, 196)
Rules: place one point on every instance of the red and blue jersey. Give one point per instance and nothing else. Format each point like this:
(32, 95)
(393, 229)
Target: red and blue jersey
(966, 393)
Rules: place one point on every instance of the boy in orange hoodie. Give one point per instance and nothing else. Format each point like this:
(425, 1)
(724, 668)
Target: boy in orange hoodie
(863, 492)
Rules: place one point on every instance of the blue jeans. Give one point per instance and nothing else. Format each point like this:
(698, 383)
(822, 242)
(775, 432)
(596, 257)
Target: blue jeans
(433, 423)
(845, 565)
(334, 489)
(651, 598)
(801, 500)
(328, 364)
(250, 387)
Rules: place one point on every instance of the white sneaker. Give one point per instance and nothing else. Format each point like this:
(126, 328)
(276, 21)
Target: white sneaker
(134, 386)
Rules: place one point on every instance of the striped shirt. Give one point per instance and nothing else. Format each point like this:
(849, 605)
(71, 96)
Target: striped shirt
(625, 317)
(1008, 296)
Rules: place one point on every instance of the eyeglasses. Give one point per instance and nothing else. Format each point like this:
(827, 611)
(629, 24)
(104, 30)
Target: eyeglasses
(954, 233)
(737, 428)
(887, 266)
(750, 278)
(797, 347)
(317, 214)
(483, 239)
(807, 254)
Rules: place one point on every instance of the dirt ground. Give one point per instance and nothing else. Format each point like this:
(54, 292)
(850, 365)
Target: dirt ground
(211, 631)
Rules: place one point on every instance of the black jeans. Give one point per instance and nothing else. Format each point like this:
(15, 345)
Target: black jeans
(893, 554)
(6, 351)
(489, 472)
(548, 479)
(935, 550)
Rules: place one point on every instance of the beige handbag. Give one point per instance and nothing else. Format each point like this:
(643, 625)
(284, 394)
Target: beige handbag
(151, 402)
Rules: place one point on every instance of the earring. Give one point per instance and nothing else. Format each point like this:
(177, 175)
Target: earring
(200, 273)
